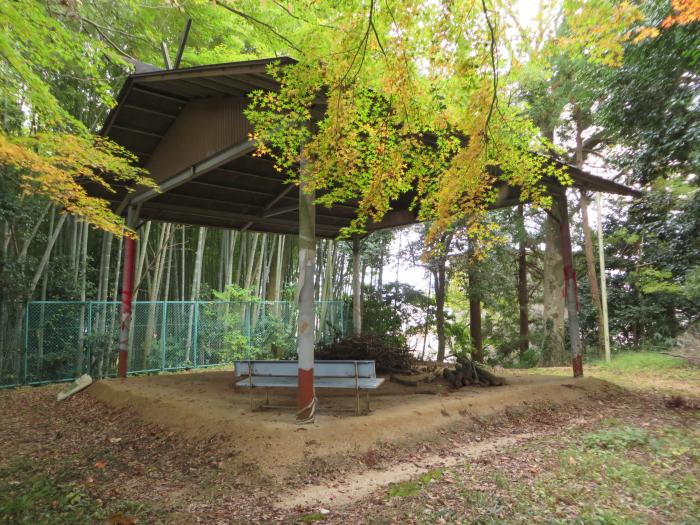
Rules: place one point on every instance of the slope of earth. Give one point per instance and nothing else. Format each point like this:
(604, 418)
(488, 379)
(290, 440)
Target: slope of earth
(205, 405)
(605, 457)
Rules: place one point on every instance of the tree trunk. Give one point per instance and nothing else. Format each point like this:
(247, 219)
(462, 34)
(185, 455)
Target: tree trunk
(475, 308)
(570, 286)
(439, 276)
(357, 279)
(196, 282)
(327, 287)
(151, 340)
(80, 362)
(523, 298)
(39, 271)
(591, 270)
(553, 349)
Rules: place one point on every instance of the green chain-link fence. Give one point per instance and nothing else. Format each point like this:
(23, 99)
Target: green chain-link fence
(60, 340)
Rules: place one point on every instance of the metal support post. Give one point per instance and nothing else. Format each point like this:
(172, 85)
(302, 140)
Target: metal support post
(127, 294)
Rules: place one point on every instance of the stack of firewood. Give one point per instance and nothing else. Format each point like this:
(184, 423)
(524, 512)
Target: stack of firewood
(388, 358)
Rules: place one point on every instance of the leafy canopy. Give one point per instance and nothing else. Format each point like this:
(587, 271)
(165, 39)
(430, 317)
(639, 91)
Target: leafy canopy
(416, 95)
(50, 149)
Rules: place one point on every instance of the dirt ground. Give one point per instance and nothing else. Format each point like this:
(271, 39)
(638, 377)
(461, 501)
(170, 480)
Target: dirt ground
(187, 449)
(206, 405)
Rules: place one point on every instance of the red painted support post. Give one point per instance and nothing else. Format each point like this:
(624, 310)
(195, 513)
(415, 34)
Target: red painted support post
(306, 398)
(127, 297)
(570, 286)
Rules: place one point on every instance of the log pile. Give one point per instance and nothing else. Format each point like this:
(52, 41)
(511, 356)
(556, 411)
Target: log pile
(387, 358)
(466, 373)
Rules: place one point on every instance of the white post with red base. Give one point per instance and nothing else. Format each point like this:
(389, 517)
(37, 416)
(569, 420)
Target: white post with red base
(306, 399)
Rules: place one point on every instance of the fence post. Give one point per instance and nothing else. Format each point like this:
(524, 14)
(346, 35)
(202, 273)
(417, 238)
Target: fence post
(195, 336)
(163, 331)
(250, 326)
(88, 365)
(26, 341)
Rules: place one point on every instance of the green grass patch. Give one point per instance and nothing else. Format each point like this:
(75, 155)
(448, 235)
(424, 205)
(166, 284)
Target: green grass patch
(637, 361)
(29, 496)
(410, 488)
(32, 498)
(619, 474)
(617, 438)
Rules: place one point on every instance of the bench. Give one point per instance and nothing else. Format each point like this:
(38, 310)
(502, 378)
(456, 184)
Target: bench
(357, 375)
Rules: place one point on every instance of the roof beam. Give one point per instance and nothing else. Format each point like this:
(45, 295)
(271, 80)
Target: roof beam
(235, 83)
(150, 111)
(166, 96)
(203, 83)
(239, 173)
(281, 211)
(261, 82)
(233, 216)
(196, 200)
(196, 170)
(270, 204)
(255, 193)
(393, 219)
(139, 131)
(241, 88)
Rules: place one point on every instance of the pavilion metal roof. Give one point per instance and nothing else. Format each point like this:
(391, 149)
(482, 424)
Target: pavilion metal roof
(223, 184)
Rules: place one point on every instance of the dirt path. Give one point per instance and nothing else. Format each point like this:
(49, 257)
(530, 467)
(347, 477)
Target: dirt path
(360, 485)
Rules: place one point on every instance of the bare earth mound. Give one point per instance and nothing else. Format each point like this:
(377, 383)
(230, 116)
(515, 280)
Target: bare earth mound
(204, 404)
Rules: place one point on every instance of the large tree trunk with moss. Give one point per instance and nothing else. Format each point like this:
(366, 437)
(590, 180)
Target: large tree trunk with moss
(591, 270)
(553, 341)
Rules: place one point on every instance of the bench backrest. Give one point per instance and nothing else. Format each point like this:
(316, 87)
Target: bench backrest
(321, 368)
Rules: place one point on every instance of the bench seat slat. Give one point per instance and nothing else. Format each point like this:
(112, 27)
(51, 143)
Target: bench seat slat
(363, 383)
(321, 368)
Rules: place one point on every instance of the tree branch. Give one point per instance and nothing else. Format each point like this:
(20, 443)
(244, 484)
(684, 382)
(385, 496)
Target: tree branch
(109, 40)
(493, 65)
(258, 22)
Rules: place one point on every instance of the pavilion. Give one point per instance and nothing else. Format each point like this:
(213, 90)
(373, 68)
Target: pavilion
(187, 128)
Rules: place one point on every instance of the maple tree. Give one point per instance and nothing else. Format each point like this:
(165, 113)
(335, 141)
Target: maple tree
(51, 151)
(684, 12)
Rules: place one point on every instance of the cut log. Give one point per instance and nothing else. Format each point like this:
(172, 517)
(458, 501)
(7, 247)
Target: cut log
(468, 373)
